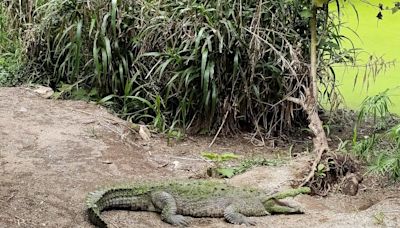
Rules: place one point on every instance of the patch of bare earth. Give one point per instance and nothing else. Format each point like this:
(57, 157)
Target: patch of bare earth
(53, 152)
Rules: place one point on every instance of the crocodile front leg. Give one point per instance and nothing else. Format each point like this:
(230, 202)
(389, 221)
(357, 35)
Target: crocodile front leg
(233, 216)
(167, 205)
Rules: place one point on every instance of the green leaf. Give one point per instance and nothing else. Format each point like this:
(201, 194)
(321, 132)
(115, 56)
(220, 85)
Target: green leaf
(106, 100)
(320, 167)
(153, 54)
(78, 45)
(198, 37)
(163, 66)
(206, 81)
(92, 24)
(108, 49)
(104, 61)
(113, 16)
(226, 172)
(228, 156)
(204, 56)
(305, 14)
(104, 24)
(211, 156)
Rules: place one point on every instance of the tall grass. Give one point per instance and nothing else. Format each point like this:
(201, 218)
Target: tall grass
(380, 150)
(193, 64)
(11, 56)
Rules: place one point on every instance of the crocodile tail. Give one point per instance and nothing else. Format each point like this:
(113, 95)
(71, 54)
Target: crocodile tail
(94, 209)
(94, 217)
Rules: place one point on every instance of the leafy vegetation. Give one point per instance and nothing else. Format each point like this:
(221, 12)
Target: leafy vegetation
(182, 64)
(11, 56)
(381, 150)
(201, 65)
(223, 170)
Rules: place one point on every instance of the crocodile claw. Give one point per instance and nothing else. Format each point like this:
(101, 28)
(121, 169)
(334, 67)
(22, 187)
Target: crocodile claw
(249, 222)
(179, 220)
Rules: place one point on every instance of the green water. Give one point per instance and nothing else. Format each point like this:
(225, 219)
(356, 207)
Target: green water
(381, 38)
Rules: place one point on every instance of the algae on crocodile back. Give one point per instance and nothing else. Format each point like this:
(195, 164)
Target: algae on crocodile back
(196, 198)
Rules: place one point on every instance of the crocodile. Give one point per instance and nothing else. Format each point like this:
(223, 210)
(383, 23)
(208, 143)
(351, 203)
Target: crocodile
(195, 198)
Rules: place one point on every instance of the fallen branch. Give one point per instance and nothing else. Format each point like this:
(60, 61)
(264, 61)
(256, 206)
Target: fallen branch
(220, 128)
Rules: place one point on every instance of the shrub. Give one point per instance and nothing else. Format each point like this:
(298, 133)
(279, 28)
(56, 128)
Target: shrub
(11, 56)
(190, 63)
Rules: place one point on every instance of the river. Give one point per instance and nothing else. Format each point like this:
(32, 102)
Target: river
(377, 37)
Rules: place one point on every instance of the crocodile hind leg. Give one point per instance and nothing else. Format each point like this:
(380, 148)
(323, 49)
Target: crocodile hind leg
(167, 205)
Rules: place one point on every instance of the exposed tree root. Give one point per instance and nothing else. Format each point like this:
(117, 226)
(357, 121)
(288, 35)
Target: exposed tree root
(332, 168)
(320, 141)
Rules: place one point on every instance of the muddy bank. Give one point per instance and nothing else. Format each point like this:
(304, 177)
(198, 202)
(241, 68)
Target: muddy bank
(52, 153)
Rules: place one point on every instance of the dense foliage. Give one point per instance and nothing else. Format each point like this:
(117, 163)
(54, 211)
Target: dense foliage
(380, 150)
(197, 64)
(11, 56)
(191, 63)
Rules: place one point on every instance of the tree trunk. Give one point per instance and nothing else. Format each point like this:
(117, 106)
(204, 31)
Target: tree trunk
(309, 102)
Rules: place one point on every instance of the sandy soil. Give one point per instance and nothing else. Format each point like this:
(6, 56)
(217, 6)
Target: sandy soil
(53, 152)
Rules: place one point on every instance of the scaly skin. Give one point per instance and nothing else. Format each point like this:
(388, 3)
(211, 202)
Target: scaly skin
(196, 198)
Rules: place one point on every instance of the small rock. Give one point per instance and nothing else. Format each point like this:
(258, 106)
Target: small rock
(144, 133)
(43, 91)
(177, 164)
(350, 184)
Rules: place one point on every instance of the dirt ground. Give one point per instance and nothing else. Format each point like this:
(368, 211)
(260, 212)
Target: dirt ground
(53, 152)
